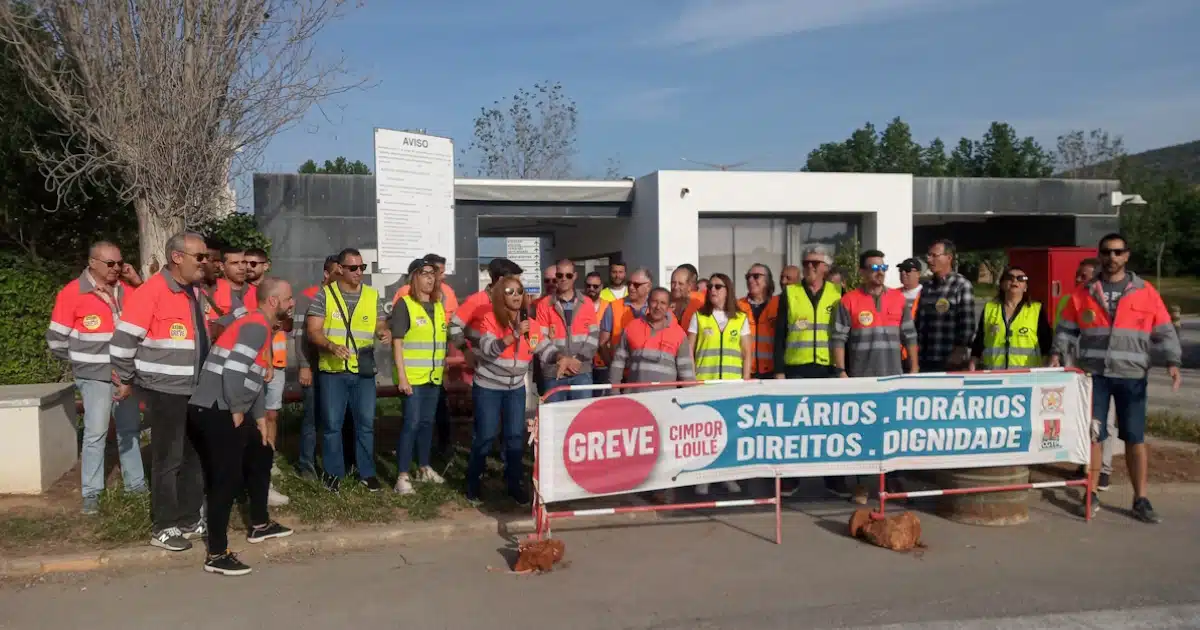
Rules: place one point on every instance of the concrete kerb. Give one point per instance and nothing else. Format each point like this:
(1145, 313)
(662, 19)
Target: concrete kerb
(361, 539)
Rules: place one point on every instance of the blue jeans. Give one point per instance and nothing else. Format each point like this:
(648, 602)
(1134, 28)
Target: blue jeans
(498, 412)
(97, 409)
(420, 411)
(583, 378)
(1128, 395)
(340, 391)
(307, 461)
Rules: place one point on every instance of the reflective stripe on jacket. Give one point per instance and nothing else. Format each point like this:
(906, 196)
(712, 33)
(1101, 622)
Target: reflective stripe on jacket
(719, 352)
(424, 350)
(503, 367)
(1120, 348)
(81, 327)
(362, 327)
(235, 370)
(154, 343)
(646, 354)
(808, 329)
(872, 329)
(1008, 345)
(762, 330)
(579, 340)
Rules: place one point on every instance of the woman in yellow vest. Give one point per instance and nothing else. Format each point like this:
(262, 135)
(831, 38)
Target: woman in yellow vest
(419, 327)
(1014, 331)
(719, 334)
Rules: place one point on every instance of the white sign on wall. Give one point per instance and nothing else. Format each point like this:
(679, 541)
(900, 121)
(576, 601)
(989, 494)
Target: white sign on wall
(527, 253)
(414, 198)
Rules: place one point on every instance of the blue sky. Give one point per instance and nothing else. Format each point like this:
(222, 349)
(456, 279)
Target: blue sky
(762, 81)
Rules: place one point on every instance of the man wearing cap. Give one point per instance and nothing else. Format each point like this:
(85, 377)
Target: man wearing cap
(910, 286)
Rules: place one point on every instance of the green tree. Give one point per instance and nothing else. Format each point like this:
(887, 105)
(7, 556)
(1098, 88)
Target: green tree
(237, 229)
(963, 161)
(338, 166)
(897, 151)
(934, 162)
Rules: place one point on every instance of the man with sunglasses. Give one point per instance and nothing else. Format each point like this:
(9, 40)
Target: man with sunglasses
(806, 312)
(569, 335)
(1115, 318)
(618, 314)
(872, 324)
(761, 307)
(85, 315)
(593, 283)
(910, 285)
(344, 324)
(159, 344)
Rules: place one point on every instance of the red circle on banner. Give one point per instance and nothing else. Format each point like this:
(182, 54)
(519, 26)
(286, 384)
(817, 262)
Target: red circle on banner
(611, 446)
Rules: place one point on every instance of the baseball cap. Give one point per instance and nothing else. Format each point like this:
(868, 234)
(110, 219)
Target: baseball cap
(419, 263)
(500, 267)
(909, 264)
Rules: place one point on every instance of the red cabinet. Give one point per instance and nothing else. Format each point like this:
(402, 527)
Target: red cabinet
(1051, 270)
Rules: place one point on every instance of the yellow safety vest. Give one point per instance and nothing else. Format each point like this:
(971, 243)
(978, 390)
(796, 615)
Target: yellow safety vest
(362, 327)
(808, 332)
(424, 345)
(1013, 346)
(1062, 303)
(607, 294)
(719, 353)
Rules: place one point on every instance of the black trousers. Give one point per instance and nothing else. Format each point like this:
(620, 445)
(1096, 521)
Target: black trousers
(176, 478)
(235, 460)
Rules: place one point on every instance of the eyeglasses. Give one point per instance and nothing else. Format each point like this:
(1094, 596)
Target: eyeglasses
(593, 286)
(514, 291)
(755, 276)
(1016, 278)
(566, 276)
(111, 263)
(1115, 251)
(354, 268)
(877, 268)
(813, 263)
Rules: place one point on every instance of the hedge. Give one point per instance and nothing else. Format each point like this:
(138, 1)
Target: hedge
(27, 291)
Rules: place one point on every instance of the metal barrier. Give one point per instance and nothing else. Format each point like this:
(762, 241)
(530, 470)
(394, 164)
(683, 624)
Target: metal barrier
(542, 516)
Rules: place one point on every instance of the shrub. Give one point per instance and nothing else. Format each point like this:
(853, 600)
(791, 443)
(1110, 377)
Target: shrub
(27, 291)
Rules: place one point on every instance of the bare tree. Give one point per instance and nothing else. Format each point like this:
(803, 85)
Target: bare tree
(1091, 155)
(169, 98)
(528, 136)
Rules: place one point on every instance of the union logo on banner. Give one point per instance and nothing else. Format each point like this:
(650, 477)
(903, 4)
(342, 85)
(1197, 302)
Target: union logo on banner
(1052, 399)
(1051, 432)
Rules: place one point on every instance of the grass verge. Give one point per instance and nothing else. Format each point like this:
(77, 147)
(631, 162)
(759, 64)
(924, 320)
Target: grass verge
(1173, 427)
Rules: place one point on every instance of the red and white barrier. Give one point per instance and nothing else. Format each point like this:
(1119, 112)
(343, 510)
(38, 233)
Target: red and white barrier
(542, 516)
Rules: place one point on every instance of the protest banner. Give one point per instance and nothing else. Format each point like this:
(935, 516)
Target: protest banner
(802, 428)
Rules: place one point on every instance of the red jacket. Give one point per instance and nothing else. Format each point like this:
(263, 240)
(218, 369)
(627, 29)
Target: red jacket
(579, 340)
(81, 327)
(154, 344)
(1120, 347)
(227, 307)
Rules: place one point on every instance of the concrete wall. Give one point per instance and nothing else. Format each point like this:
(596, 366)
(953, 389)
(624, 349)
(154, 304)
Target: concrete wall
(884, 200)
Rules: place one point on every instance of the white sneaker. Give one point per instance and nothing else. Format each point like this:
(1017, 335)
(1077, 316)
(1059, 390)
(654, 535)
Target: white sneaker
(429, 475)
(403, 485)
(732, 486)
(702, 490)
(276, 498)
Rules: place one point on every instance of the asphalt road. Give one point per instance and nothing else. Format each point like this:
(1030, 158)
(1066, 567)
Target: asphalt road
(1055, 571)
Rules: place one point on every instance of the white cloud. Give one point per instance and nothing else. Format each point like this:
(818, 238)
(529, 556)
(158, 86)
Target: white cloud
(646, 104)
(717, 24)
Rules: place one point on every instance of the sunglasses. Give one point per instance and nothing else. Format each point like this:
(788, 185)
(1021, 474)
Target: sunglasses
(755, 276)
(908, 269)
(1016, 278)
(110, 263)
(638, 285)
(199, 257)
(593, 286)
(255, 263)
(514, 291)
(716, 287)
(813, 263)
(877, 268)
(354, 268)
(566, 276)
(548, 280)
(1116, 251)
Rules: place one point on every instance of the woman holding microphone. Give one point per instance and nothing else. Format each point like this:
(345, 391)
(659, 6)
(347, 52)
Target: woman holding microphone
(505, 353)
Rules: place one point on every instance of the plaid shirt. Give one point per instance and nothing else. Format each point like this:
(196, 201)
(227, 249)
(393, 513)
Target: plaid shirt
(945, 319)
